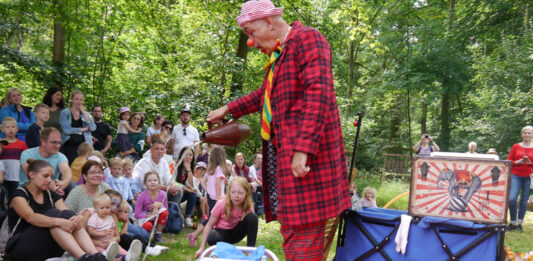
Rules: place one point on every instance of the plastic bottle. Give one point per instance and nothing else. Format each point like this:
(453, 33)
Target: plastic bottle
(195, 222)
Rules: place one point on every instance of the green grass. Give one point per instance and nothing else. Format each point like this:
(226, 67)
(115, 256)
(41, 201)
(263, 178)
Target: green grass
(521, 241)
(270, 237)
(388, 190)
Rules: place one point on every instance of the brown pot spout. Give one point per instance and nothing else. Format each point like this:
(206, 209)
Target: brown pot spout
(229, 134)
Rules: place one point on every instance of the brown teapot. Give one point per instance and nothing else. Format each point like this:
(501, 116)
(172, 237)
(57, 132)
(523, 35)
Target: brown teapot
(231, 133)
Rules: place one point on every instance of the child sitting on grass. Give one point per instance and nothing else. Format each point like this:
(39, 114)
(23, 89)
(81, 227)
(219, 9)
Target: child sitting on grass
(232, 218)
(84, 150)
(354, 197)
(10, 156)
(135, 185)
(116, 181)
(33, 136)
(103, 230)
(150, 203)
(369, 198)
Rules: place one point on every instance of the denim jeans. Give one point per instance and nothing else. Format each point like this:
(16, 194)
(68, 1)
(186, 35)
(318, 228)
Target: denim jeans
(137, 230)
(518, 185)
(191, 202)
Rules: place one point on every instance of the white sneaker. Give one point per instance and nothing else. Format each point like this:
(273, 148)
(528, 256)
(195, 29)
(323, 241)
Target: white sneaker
(162, 249)
(134, 253)
(111, 252)
(188, 222)
(152, 251)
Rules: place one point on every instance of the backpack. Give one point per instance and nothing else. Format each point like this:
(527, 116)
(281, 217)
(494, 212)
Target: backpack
(175, 219)
(420, 148)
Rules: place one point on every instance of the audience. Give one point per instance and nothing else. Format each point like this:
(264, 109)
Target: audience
(152, 206)
(521, 156)
(156, 129)
(184, 177)
(116, 181)
(200, 189)
(22, 114)
(423, 148)
(48, 228)
(232, 218)
(81, 197)
(49, 152)
(103, 229)
(10, 156)
(158, 164)
(102, 134)
(217, 172)
(122, 140)
(77, 125)
(136, 139)
(84, 150)
(3, 190)
(135, 184)
(54, 99)
(42, 114)
(129, 232)
(184, 134)
(164, 135)
(472, 146)
(256, 180)
(204, 154)
(369, 197)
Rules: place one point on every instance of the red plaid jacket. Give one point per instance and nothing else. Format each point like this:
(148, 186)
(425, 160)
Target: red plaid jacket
(305, 118)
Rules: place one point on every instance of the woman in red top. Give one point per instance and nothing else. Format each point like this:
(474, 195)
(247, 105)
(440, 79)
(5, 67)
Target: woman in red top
(521, 154)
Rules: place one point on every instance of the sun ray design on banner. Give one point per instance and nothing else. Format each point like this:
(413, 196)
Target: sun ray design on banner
(475, 190)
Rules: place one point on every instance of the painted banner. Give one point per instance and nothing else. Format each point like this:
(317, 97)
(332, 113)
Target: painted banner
(460, 188)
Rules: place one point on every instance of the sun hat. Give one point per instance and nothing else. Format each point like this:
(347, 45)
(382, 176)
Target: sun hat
(257, 9)
(124, 109)
(185, 110)
(95, 158)
(201, 164)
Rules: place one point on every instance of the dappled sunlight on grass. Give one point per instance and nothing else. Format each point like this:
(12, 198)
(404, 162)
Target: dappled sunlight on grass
(269, 234)
(389, 190)
(521, 241)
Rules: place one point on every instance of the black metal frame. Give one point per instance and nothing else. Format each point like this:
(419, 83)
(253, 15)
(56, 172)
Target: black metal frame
(378, 246)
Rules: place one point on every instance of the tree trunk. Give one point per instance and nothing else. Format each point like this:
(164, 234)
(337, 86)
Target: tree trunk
(14, 34)
(424, 118)
(444, 139)
(242, 53)
(58, 57)
(351, 64)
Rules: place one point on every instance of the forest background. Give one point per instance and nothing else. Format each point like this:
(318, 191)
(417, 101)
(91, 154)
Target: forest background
(459, 70)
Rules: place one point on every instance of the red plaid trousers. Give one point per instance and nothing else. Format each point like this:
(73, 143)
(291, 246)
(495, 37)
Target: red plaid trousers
(304, 242)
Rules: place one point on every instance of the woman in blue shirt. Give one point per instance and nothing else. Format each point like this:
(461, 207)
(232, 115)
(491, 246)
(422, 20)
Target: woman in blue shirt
(24, 116)
(77, 125)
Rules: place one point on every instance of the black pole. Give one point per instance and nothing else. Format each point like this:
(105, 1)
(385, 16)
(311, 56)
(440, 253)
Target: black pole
(342, 226)
(359, 120)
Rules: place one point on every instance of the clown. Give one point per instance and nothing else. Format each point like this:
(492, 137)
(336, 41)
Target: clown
(304, 167)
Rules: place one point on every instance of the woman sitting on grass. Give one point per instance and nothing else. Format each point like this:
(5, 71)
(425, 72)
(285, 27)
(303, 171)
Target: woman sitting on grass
(47, 228)
(232, 218)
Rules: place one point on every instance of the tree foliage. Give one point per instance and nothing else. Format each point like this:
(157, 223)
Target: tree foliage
(412, 66)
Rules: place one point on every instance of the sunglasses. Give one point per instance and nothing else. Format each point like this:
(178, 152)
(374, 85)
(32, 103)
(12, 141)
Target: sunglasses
(184, 132)
(167, 127)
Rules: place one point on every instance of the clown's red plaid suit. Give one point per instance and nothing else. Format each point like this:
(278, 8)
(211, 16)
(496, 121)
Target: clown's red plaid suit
(305, 118)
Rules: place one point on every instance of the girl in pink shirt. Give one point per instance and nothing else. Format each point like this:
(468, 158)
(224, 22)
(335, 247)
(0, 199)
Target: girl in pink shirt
(214, 180)
(232, 218)
(151, 202)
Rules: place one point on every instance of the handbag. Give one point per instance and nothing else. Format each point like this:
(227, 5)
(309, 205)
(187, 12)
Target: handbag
(14, 237)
